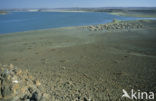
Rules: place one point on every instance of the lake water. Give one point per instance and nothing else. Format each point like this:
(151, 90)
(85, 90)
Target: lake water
(25, 21)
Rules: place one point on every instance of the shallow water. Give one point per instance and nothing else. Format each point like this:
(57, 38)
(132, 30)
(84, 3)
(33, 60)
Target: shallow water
(25, 21)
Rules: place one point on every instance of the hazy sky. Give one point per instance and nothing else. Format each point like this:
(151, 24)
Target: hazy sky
(75, 3)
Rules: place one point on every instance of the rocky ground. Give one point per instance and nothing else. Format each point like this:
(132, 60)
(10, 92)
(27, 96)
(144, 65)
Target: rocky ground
(18, 85)
(75, 64)
(114, 26)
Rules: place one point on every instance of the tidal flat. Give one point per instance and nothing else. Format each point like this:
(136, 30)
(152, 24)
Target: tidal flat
(74, 63)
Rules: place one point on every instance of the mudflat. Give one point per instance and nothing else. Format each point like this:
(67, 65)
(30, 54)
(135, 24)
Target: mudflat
(75, 63)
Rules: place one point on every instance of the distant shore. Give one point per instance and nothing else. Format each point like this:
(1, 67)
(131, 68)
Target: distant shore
(3, 12)
(151, 15)
(62, 11)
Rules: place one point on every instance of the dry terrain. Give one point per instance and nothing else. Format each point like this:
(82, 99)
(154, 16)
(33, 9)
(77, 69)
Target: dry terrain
(77, 64)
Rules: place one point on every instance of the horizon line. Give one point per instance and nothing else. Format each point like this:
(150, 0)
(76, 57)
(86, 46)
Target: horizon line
(83, 7)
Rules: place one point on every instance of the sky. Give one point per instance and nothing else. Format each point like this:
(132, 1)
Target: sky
(75, 3)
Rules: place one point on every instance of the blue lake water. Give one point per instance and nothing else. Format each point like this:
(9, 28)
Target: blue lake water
(25, 21)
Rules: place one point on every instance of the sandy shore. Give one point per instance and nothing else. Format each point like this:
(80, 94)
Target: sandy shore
(135, 14)
(75, 63)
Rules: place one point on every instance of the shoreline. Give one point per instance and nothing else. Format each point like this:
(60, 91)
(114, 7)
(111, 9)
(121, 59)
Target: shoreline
(127, 14)
(51, 24)
(69, 27)
(62, 11)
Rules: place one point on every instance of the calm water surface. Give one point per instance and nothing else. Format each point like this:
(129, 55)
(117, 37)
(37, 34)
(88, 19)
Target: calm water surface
(25, 21)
